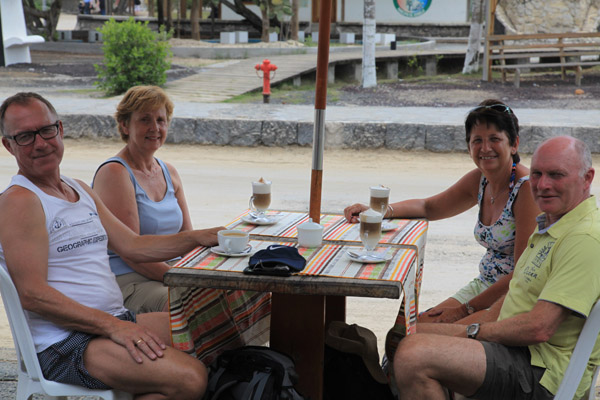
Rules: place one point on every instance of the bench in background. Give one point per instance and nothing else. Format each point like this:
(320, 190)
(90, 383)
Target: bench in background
(519, 53)
(15, 40)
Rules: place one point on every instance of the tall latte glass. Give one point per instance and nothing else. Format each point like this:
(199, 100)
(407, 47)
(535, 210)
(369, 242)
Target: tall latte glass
(261, 198)
(380, 197)
(370, 229)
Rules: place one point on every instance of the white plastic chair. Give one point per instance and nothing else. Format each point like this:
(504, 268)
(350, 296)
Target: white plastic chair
(30, 375)
(14, 33)
(580, 357)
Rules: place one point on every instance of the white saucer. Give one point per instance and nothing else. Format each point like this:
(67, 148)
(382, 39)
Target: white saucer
(267, 220)
(388, 226)
(220, 251)
(362, 258)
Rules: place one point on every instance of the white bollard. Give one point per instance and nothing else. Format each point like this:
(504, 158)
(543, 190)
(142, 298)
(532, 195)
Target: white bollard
(387, 38)
(347, 38)
(241, 36)
(227, 37)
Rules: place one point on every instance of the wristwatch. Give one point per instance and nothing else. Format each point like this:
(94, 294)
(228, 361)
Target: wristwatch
(472, 331)
(470, 309)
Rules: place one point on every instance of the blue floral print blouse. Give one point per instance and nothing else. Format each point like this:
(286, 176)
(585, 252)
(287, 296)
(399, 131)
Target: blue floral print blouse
(498, 238)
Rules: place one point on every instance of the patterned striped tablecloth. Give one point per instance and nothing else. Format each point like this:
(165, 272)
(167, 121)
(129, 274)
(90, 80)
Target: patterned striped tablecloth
(205, 322)
(409, 232)
(329, 260)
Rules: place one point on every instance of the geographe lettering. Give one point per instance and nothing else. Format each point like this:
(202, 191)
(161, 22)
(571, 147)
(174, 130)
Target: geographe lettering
(81, 243)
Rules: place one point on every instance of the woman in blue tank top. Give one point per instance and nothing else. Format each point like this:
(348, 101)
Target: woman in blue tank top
(144, 192)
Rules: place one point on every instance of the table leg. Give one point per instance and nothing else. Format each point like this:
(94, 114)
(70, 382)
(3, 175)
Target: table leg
(335, 309)
(298, 329)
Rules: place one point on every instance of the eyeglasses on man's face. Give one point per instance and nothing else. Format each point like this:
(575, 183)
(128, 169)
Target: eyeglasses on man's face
(26, 138)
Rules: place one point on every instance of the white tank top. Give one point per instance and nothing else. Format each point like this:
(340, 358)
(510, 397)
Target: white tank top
(77, 259)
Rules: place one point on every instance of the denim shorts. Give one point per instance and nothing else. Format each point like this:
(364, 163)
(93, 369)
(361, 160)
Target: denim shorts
(63, 361)
(510, 375)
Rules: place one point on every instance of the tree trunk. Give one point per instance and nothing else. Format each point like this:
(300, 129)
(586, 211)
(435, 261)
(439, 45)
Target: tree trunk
(169, 12)
(294, 22)
(264, 11)
(34, 19)
(473, 50)
(122, 7)
(369, 74)
(195, 20)
(239, 8)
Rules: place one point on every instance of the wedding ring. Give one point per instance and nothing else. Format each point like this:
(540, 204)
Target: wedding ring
(140, 340)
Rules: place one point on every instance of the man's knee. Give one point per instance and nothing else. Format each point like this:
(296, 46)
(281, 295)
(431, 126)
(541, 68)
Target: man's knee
(407, 357)
(193, 382)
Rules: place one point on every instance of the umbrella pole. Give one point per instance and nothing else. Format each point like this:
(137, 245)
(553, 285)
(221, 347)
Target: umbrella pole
(320, 104)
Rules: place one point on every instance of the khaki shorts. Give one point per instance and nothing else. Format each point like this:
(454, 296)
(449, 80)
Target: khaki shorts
(142, 295)
(472, 289)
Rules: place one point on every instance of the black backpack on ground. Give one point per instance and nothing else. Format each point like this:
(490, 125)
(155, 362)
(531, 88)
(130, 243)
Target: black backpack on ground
(252, 373)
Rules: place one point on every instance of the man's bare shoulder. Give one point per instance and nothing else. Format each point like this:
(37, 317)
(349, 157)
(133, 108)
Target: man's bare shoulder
(17, 200)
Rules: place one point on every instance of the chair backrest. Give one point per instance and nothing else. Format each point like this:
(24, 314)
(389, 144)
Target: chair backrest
(13, 19)
(31, 379)
(580, 357)
(26, 354)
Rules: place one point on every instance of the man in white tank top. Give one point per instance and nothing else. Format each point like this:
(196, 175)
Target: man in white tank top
(54, 233)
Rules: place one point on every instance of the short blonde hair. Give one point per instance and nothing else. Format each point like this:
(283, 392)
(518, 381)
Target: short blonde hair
(141, 98)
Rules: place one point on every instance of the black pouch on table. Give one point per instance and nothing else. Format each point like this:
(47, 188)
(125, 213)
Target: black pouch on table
(277, 260)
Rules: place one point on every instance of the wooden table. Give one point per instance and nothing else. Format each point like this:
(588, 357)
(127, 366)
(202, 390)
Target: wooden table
(298, 314)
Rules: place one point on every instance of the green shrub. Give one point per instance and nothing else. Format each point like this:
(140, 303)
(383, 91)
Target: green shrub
(133, 55)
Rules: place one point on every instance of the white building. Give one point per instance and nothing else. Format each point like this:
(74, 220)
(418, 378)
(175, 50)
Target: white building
(387, 11)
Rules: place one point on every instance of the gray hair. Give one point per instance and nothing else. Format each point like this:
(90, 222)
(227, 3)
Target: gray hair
(585, 155)
(22, 98)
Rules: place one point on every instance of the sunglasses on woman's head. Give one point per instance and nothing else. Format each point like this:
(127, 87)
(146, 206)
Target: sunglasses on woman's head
(496, 107)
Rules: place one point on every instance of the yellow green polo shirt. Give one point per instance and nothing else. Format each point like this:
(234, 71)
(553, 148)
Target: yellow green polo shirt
(562, 266)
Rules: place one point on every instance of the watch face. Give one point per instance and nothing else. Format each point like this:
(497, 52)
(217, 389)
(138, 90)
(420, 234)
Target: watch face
(472, 330)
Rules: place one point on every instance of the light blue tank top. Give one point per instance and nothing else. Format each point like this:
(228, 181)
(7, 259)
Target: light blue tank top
(156, 217)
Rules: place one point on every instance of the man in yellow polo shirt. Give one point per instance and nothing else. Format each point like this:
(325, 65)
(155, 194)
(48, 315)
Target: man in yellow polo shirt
(556, 283)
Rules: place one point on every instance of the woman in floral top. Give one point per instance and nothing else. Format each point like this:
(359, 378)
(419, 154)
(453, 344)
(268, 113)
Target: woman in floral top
(500, 187)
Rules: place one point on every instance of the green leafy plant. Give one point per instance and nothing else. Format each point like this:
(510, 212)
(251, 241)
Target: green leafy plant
(133, 55)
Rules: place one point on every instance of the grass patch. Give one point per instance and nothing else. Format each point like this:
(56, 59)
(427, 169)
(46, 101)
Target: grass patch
(287, 93)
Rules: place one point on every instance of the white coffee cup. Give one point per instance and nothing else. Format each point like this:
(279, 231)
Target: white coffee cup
(310, 234)
(233, 241)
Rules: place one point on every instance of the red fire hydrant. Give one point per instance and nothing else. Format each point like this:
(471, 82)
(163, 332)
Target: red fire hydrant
(266, 67)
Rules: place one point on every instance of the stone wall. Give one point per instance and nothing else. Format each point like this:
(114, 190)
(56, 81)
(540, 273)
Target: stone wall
(340, 135)
(548, 16)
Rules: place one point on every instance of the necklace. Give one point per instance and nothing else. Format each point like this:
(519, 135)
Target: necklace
(511, 184)
(493, 198)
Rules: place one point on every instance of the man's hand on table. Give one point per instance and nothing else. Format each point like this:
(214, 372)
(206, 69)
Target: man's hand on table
(351, 212)
(137, 340)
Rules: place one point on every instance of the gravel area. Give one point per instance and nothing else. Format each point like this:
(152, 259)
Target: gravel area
(75, 73)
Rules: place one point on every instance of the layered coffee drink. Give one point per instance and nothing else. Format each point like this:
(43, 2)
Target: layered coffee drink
(261, 195)
(380, 197)
(370, 228)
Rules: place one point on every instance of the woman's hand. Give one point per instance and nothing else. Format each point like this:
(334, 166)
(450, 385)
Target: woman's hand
(447, 315)
(208, 237)
(351, 212)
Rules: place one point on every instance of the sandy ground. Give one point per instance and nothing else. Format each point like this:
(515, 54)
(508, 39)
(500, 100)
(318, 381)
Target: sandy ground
(217, 183)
